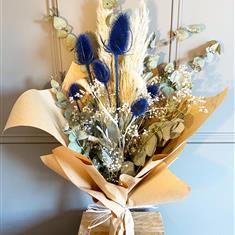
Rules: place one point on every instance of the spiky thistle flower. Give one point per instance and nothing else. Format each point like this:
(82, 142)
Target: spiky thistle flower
(101, 71)
(153, 90)
(75, 92)
(139, 107)
(84, 53)
(119, 35)
(102, 74)
(84, 50)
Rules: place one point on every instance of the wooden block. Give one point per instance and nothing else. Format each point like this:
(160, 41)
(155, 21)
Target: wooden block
(146, 223)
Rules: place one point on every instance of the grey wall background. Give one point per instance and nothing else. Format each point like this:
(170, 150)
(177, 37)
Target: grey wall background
(36, 201)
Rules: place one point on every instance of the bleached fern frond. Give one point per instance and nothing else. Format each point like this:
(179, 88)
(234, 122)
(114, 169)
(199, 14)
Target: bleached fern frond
(133, 63)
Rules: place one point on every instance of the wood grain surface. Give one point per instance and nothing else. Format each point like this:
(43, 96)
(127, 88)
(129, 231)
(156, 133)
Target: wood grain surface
(147, 223)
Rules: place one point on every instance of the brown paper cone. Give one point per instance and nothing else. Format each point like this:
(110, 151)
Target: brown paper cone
(135, 191)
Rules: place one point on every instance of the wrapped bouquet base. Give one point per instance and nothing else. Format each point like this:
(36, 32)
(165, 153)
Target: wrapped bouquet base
(146, 223)
(153, 185)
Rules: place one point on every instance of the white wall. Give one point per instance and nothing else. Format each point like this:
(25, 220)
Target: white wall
(37, 201)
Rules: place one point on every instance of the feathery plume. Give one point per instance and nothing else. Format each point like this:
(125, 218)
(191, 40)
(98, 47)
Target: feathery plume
(103, 32)
(133, 64)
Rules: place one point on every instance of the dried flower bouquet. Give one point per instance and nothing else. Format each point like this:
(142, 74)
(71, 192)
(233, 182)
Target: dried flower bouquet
(121, 116)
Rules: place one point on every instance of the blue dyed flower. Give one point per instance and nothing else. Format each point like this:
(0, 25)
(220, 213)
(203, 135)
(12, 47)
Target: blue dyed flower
(84, 50)
(153, 90)
(139, 107)
(75, 91)
(119, 35)
(101, 71)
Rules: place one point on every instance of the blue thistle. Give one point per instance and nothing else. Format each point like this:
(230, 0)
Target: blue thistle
(153, 90)
(139, 107)
(102, 74)
(119, 35)
(75, 92)
(101, 71)
(84, 52)
(119, 38)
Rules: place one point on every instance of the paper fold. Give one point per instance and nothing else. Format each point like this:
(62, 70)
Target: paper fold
(37, 109)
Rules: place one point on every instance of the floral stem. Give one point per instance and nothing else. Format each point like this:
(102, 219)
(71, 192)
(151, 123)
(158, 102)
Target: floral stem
(89, 74)
(91, 83)
(117, 86)
(79, 109)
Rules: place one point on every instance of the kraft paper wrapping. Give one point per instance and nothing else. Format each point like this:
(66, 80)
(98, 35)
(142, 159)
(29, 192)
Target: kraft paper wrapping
(154, 184)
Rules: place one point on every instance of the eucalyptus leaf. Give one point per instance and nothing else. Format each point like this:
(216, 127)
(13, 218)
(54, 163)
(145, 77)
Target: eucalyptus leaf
(147, 76)
(162, 43)
(55, 84)
(215, 48)
(106, 158)
(68, 112)
(177, 129)
(72, 137)
(166, 89)
(128, 168)
(75, 147)
(113, 132)
(68, 29)
(169, 68)
(199, 61)
(61, 33)
(196, 28)
(81, 135)
(139, 158)
(70, 42)
(105, 140)
(110, 4)
(62, 104)
(59, 23)
(159, 136)
(60, 96)
(166, 133)
(152, 61)
(175, 76)
(97, 163)
(66, 127)
(87, 153)
(48, 18)
(154, 126)
(151, 146)
(152, 41)
(105, 143)
(182, 34)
